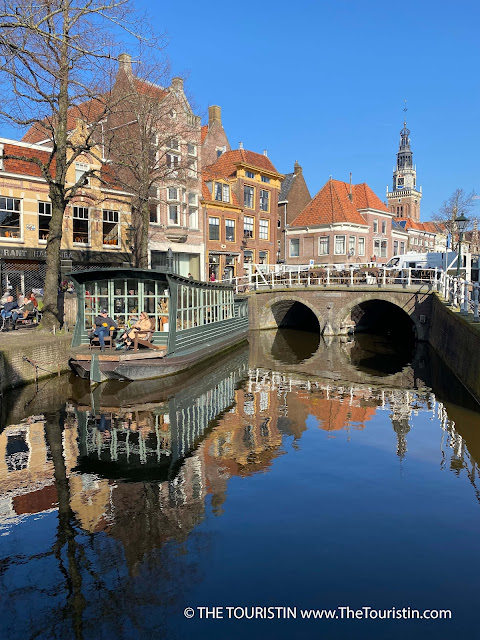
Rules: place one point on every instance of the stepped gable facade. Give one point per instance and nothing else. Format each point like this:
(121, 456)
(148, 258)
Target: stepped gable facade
(343, 224)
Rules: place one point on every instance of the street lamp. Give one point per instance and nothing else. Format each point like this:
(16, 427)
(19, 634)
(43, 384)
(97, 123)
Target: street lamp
(461, 224)
(170, 259)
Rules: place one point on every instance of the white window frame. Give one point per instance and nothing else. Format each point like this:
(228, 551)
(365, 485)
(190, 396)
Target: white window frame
(1, 158)
(266, 179)
(192, 211)
(264, 199)
(263, 225)
(375, 226)
(383, 248)
(172, 194)
(291, 245)
(20, 221)
(248, 226)
(322, 241)
(361, 246)
(74, 217)
(172, 207)
(230, 222)
(46, 215)
(80, 169)
(214, 224)
(157, 211)
(226, 193)
(112, 212)
(335, 241)
(384, 227)
(194, 146)
(250, 175)
(251, 196)
(352, 244)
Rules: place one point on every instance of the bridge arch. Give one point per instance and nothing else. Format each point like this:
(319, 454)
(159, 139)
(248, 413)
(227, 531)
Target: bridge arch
(290, 311)
(380, 312)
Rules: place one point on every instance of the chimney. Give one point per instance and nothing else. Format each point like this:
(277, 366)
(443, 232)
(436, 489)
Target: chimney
(297, 169)
(214, 114)
(177, 84)
(265, 153)
(125, 63)
(240, 145)
(350, 194)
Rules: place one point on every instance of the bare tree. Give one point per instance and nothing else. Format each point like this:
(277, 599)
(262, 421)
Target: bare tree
(56, 61)
(458, 204)
(148, 139)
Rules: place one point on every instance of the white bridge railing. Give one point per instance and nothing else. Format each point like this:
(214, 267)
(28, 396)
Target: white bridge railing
(456, 291)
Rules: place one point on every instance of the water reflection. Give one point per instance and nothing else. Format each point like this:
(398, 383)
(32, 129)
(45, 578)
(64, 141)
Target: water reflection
(122, 481)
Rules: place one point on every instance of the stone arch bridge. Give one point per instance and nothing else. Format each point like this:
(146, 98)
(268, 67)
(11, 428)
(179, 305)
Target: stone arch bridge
(339, 309)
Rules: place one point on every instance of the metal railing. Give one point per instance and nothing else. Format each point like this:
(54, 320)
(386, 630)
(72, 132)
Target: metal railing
(302, 276)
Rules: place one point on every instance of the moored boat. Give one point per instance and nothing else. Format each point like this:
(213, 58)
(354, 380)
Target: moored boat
(191, 321)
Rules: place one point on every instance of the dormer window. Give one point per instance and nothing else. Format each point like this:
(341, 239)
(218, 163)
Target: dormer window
(222, 192)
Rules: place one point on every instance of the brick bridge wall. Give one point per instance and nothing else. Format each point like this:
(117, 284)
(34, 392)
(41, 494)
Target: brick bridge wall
(333, 306)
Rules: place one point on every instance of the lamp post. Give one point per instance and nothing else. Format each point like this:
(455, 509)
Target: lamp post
(461, 224)
(170, 259)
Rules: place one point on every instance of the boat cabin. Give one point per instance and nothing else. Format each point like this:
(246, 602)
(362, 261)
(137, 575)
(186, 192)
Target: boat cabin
(183, 312)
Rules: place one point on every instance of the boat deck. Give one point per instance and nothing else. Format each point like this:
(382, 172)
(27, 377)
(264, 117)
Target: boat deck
(85, 353)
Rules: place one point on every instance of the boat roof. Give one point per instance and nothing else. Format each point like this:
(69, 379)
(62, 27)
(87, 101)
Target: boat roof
(130, 273)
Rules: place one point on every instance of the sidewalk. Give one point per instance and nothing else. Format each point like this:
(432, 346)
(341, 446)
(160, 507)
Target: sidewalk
(50, 353)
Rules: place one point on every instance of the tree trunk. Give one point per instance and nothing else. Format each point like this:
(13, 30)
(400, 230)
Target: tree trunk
(144, 225)
(51, 317)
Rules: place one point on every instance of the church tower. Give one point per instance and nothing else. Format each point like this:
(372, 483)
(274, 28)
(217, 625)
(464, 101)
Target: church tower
(404, 199)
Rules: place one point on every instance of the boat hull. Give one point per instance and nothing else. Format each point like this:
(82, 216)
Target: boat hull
(144, 365)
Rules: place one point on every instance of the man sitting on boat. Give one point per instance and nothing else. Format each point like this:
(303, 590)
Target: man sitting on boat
(144, 325)
(103, 324)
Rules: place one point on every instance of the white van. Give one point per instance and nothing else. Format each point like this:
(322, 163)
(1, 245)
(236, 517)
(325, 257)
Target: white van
(443, 261)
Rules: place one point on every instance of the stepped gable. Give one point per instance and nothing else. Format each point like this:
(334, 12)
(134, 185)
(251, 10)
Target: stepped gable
(333, 204)
(226, 165)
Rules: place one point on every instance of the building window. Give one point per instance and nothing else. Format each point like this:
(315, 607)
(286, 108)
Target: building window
(248, 256)
(250, 174)
(248, 227)
(352, 244)
(402, 248)
(294, 248)
(44, 217)
(192, 211)
(1, 159)
(111, 228)
(265, 179)
(191, 149)
(218, 191)
(248, 193)
(173, 214)
(213, 228)
(10, 224)
(383, 249)
(173, 143)
(80, 169)
(384, 226)
(263, 229)
(400, 182)
(192, 168)
(81, 225)
(323, 246)
(230, 230)
(173, 161)
(361, 246)
(375, 226)
(264, 200)
(263, 257)
(340, 242)
(172, 193)
(226, 193)
(154, 213)
(395, 247)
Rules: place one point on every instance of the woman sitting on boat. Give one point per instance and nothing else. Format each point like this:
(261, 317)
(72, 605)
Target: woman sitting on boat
(144, 325)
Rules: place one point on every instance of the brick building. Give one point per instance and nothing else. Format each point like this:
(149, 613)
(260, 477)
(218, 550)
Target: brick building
(94, 226)
(294, 197)
(214, 139)
(344, 223)
(249, 184)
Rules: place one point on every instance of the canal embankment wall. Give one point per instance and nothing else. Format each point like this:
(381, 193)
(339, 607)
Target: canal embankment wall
(456, 338)
(21, 351)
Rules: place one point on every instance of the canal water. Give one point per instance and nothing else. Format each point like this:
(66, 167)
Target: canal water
(292, 478)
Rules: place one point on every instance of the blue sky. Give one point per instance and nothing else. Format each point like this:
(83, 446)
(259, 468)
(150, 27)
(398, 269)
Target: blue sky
(324, 83)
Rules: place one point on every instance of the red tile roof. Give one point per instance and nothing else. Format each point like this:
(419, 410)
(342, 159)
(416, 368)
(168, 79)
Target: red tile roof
(24, 167)
(227, 163)
(89, 111)
(333, 204)
(428, 227)
(149, 89)
(204, 133)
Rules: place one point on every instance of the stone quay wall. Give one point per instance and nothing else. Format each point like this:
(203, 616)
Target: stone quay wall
(456, 338)
(49, 352)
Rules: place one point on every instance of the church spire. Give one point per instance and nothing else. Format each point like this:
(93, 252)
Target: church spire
(404, 199)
